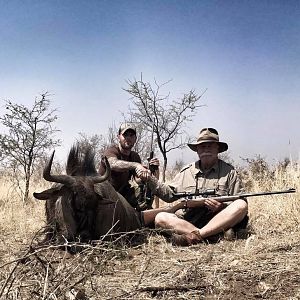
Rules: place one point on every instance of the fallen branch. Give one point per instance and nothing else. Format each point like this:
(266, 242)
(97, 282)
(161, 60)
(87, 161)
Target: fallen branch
(182, 288)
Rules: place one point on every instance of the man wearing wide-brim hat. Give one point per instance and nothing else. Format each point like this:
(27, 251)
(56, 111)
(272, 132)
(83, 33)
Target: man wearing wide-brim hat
(208, 135)
(198, 223)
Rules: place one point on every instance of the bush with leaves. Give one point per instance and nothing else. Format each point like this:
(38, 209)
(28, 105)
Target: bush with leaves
(30, 134)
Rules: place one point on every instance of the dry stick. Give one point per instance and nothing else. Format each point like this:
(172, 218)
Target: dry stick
(76, 283)
(7, 279)
(171, 288)
(43, 263)
(136, 288)
(11, 273)
(46, 282)
(108, 232)
(29, 253)
(82, 278)
(11, 284)
(22, 258)
(44, 294)
(65, 279)
(142, 275)
(155, 289)
(143, 272)
(79, 280)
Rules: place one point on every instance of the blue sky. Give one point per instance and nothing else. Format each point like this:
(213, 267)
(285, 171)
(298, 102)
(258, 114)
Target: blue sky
(245, 53)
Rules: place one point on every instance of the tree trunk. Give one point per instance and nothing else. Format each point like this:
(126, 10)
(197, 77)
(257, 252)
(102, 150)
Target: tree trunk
(27, 183)
(164, 168)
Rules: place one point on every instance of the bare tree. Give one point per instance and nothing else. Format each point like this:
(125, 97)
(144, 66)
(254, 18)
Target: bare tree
(30, 134)
(167, 119)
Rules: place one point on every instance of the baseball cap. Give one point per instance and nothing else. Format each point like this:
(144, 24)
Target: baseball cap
(126, 126)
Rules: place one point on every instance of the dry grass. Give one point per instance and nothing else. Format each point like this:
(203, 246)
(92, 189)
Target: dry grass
(263, 266)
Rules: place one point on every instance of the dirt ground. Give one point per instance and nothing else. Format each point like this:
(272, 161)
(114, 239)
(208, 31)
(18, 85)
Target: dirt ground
(262, 265)
(256, 267)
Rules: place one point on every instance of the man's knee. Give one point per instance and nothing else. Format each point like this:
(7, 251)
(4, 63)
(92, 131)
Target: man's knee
(238, 206)
(239, 210)
(242, 207)
(162, 219)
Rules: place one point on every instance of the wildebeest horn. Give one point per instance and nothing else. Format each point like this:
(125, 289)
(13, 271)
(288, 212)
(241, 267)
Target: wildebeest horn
(64, 179)
(98, 179)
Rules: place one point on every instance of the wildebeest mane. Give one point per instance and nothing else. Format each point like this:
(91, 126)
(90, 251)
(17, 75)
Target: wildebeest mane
(81, 161)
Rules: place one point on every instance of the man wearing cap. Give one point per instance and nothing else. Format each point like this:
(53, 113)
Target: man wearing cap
(198, 223)
(125, 164)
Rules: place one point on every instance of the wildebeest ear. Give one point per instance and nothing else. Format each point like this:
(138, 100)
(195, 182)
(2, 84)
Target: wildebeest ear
(47, 194)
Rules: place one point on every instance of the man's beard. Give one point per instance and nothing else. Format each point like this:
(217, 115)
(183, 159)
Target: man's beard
(126, 146)
(206, 154)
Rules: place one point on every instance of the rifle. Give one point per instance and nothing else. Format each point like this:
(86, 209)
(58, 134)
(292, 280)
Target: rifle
(212, 192)
(149, 195)
(152, 168)
(146, 197)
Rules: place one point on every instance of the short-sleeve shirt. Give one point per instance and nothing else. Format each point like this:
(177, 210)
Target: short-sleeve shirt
(119, 179)
(222, 177)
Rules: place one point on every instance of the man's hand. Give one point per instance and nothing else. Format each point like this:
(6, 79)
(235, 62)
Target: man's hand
(154, 166)
(154, 162)
(142, 172)
(213, 205)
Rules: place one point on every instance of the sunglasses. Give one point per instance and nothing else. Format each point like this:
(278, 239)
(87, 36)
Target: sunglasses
(212, 130)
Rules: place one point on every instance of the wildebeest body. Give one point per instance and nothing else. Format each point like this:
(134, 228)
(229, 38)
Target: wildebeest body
(83, 205)
(114, 211)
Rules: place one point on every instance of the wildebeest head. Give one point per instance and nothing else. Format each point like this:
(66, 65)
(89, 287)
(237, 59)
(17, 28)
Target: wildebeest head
(72, 201)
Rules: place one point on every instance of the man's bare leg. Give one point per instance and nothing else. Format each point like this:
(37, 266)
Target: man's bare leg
(227, 218)
(149, 215)
(168, 220)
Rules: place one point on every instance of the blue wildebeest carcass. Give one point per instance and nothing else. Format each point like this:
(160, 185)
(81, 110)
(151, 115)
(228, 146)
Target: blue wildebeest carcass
(82, 205)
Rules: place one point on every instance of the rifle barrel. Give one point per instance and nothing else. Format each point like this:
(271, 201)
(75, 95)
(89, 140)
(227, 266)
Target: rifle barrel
(268, 193)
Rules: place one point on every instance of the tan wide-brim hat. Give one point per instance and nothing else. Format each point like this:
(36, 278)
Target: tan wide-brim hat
(208, 135)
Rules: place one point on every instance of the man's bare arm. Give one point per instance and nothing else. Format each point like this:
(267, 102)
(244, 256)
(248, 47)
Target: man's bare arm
(122, 165)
